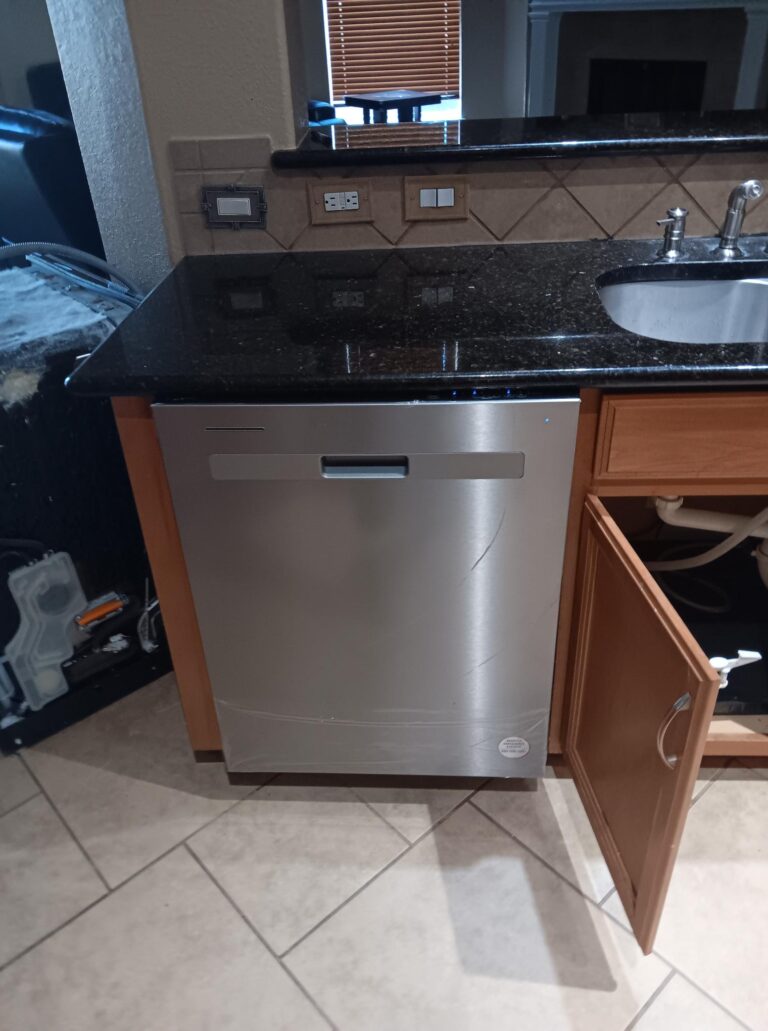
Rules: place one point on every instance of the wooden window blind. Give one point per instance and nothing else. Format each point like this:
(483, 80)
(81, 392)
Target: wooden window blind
(393, 44)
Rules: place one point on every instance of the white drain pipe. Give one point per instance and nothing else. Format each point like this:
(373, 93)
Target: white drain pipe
(671, 510)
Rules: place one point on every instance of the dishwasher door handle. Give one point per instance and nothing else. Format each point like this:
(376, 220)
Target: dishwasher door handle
(364, 467)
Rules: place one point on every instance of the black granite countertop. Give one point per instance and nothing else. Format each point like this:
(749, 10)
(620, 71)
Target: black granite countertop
(449, 322)
(547, 137)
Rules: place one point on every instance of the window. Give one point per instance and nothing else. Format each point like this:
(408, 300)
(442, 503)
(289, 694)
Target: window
(393, 44)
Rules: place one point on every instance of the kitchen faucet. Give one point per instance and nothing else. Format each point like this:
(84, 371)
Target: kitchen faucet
(734, 216)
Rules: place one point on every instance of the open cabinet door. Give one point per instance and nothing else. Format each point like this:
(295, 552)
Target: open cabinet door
(643, 697)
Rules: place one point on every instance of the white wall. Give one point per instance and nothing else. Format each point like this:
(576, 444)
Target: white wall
(26, 40)
(494, 50)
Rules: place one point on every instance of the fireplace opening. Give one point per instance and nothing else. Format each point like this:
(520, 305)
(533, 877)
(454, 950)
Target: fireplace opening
(624, 85)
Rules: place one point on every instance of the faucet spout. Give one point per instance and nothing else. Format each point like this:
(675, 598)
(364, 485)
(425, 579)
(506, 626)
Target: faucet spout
(750, 189)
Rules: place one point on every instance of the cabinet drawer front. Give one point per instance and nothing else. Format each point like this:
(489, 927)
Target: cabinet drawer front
(700, 441)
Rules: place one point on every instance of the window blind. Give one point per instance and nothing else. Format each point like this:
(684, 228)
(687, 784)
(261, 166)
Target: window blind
(393, 44)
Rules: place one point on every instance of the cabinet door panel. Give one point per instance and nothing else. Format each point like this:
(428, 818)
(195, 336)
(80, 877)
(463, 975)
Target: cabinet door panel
(635, 661)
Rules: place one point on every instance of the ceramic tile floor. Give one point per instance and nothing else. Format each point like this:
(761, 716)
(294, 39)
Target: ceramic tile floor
(139, 890)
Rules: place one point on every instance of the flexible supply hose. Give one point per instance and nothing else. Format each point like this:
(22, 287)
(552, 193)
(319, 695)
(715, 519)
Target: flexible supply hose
(21, 250)
(675, 565)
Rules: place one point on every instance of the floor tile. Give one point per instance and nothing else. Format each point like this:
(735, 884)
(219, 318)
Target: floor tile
(681, 1007)
(469, 931)
(44, 877)
(714, 919)
(290, 855)
(165, 951)
(16, 785)
(414, 810)
(127, 784)
(547, 816)
(757, 765)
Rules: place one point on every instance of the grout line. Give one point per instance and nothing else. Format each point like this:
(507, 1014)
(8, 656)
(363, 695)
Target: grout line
(711, 998)
(544, 862)
(605, 897)
(712, 780)
(378, 815)
(19, 804)
(588, 213)
(71, 833)
(525, 214)
(49, 934)
(672, 182)
(395, 859)
(260, 937)
(649, 1002)
(681, 973)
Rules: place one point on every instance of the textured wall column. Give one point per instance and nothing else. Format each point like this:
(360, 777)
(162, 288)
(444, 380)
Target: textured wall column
(97, 60)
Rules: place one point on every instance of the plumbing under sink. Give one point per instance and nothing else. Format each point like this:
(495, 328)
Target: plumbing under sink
(690, 305)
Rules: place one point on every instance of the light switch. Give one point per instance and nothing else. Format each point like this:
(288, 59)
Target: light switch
(445, 197)
(428, 198)
(233, 205)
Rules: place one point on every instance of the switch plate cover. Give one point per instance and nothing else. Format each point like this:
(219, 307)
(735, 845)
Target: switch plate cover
(234, 207)
(441, 187)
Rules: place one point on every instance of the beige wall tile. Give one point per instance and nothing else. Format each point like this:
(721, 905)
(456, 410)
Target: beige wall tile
(387, 206)
(286, 197)
(500, 198)
(614, 189)
(643, 225)
(195, 235)
(352, 236)
(441, 234)
(188, 186)
(556, 217)
(711, 178)
(235, 152)
(244, 241)
(184, 154)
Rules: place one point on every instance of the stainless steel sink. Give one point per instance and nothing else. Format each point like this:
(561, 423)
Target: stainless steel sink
(689, 310)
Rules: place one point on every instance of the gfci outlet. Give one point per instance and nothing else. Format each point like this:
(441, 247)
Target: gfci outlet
(348, 200)
(333, 203)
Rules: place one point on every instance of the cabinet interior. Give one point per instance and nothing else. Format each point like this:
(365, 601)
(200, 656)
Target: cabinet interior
(724, 603)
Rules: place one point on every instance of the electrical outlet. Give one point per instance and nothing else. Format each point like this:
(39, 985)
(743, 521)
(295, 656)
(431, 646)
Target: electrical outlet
(436, 197)
(334, 203)
(347, 200)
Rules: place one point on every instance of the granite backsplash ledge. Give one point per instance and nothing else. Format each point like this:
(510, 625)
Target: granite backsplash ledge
(517, 201)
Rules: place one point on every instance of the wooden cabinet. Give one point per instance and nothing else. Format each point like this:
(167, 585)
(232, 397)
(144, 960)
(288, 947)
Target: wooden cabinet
(635, 691)
(642, 698)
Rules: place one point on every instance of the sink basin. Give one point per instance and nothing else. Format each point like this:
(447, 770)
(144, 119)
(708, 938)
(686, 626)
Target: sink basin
(688, 308)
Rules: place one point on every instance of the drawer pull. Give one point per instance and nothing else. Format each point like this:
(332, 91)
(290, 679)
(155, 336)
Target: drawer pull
(682, 704)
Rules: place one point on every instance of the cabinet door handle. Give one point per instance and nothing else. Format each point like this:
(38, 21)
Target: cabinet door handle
(682, 704)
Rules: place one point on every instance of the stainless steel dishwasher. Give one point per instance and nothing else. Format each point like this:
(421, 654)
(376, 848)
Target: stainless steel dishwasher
(376, 584)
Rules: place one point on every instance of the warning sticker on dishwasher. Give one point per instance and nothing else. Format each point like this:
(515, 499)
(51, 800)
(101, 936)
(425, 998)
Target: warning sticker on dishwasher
(514, 747)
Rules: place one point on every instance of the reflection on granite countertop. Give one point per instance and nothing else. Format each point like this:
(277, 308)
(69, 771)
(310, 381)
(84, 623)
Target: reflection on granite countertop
(544, 137)
(402, 323)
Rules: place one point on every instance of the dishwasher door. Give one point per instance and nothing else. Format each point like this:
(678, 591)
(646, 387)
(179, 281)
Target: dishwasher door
(376, 584)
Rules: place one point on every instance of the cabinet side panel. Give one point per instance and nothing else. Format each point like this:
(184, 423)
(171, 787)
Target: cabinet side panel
(161, 537)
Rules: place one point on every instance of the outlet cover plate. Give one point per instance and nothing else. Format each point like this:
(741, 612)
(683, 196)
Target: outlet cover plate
(317, 188)
(414, 184)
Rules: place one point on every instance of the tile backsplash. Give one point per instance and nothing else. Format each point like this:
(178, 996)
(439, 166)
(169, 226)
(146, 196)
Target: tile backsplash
(520, 201)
